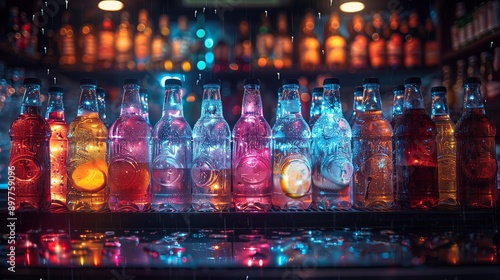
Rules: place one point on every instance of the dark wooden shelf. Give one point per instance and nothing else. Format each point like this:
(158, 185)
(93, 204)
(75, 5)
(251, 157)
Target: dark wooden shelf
(485, 43)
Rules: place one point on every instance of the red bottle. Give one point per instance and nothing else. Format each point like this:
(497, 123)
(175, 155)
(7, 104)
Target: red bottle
(29, 163)
(416, 156)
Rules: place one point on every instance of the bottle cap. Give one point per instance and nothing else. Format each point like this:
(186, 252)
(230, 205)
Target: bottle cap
(173, 82)
(472, 80)
(290, 82)
(55, 89)
(35, 81)
(251, 82)
(330, 81)
(318, 89)
(438, 89)
(211, 82)
(413, 80)
(88, 82)
(131, 82)
(398, 88)
(358, 89)
(371, 80)
(99, 90)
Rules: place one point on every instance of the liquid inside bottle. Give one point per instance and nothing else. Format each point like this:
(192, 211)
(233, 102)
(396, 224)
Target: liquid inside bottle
(331, 153)
(58, 146)
(357, 105)
(29, 162)
(101, 103)
(251, 157)
(416, 155)
(130, 154)
(476, 160)
(211, 171)
(446, 147)
(372, 152)
(87, 166)
(316, 103)
(172, 154)
(291, 140)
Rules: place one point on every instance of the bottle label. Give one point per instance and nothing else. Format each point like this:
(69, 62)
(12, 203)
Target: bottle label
(480, 161)
(125, 174)
(68, 44)
(167, 171)
(395, 50)
(141, 47)
(377, 53)
(123, 41)
(413, 53)
(420, 152)
(431, 54)
(89, 49)
(358, 52)
(295, 175)
(252, 169)
(106, 46)
(309, 52)
(157, 54)
(203, 172)
(335, 52)
(28, 168)
(374, 166)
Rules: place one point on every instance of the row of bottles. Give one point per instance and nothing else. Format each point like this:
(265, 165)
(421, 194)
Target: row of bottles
(415, 162)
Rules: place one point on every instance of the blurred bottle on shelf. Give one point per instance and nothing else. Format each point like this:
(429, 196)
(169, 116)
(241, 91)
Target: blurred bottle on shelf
(291, 143)
(221, 56)
(395, 43)
(458, 87)
(358, 44)
(101, 103)
(372, 152)
(335, 45)
(124, 45)
(416, 157)
(172, 154)
(431, 45)
(309, 55)
(88, 47)
(144, 96)
(446, 147)
(66, 38)
(316, 103)
(413, 43)
(264, 43)
(458, 27)
(130, 154)
(251, 155)
(451, 97)
(331, 153)
(283, 45)
(211, 171)
(87, 165)
(106, 45)
(486, 72)
(160, 46)
(476, 155)
(493, 10)
(243, 47)
(58, 146)
(357, 104)
(23, 37)
(181, 44)
(29, 161)
(377, 42)
(142, 41)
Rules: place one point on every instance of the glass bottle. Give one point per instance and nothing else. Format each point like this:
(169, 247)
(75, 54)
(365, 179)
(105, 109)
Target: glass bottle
(124, 44)
(291, 142)
(431, 46)
(309, 54)
(106, 46)
(160, 46)
(181, 43)
(211, 171)
(413, 43)
(243, 47)
(357, 104)
(376, 46)
(251, 156)
(101, 103)
(279, 107)
(372, 152)
(416, 156)
(143, 94)
(142, 41)
(316, 103)
(331, 153)
(334, 45)
(458, 87)
(446, 147)
(221, 56)
(358, 44)
(264, 43)
(283, 45)
(88, 47)
(476, 157)
(29, 162)
(172, 154)
(394, 43)
(397, 111)
(67, 49)
(58, 146)
(87, 166)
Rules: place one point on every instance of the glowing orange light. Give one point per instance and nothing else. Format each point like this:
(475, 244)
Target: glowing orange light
(233, 66)
(305, 97)
(262, 62)
(191, 98)
(186, 66)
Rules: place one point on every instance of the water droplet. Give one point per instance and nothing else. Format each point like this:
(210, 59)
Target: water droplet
(215, 11)
(319, 15)
(67, 4)
(323, 51)
(199, 76)
(278, 73)
(197, 82)
(33, 17)
(43, 31)
(292, 39)
(55, 80)
(331, 2)
(45, 3)
(48, 70)
(491, 44)
(195, 13)
(203, 9)
(45, 51)
(41, 10)
(265, 12)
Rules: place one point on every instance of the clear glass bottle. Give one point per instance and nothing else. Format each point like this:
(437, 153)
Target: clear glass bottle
(309, 47)
(476, 160)
(446, 147)
(331, 153)
(160, 45)
(172, 154)
(264, 42)
(101, 103)
(372, 152)
(124, 58)
(130, 154)
(106, 45)
(143, 94)
(279, 107)
(252, 154)
(211, 171)
(291, 142)
(283, 45)
(58, 146)
(87, 166)
(67, 49)
(29, 162)
(316, 103)
(377, 42)
(416, 156)
(335, 44)
(357, 104)
(142, 41)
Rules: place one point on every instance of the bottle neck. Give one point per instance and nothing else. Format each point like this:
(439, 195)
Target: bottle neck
(472, 98)
(145, 105)
(131, 101)
(358, 102)
(212, 102)
(252, 102)
(316, 104)
(172, 106)
(413, 97)
(88, 100)
(101, 102)
(331, 100)
(31, 100)
(55, 110)
(371, 98)
(279, 107)
(440, 105)
(290, 101)
(398, 103)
